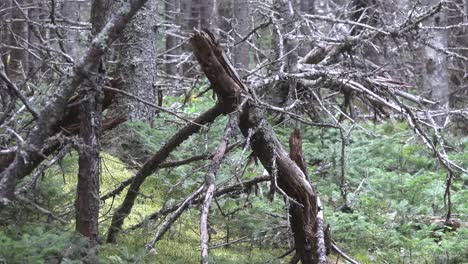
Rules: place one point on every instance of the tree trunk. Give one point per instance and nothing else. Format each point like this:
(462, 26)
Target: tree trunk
(171, 8)
(18, 67)
(5, 102)
(225, 8)
(283, 36)
(435, 74)
(138, 55)
(241, 51)
(458, 37)
(205, 11)
(79, 12)
(87, 189)
(308, 7)
(87, 197)
(264, 143)
(53, 112)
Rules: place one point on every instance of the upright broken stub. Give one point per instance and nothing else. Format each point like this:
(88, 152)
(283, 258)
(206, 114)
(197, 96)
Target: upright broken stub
(218, 69)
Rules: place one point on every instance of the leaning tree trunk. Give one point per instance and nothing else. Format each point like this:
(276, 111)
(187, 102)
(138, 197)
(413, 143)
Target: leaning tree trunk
(138, 55)
(265, 145)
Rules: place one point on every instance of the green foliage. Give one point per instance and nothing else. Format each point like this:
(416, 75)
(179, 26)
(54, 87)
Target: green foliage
(395, 192)
(39, 244)
(398, 211)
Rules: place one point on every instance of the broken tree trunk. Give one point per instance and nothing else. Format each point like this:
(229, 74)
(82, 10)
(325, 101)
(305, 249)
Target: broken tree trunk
(264, 143)
(296, 211)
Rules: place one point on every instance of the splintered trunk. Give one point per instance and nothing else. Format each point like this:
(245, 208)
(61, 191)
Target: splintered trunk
(266, 146)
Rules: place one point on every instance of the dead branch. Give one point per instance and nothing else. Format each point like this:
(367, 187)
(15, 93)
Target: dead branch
(210, 183)
(241, 187)
(172, 218)
(152, 164)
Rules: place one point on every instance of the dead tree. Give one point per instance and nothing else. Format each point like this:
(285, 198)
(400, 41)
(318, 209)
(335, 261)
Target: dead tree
(290, 179)
(53, 113)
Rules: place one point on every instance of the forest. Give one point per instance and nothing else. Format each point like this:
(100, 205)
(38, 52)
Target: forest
(234, 131)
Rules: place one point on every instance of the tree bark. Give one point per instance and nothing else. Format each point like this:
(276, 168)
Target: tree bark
(89, 171)
(241, 50)
(87, 196)
(138, 55)
(435, 73)
(18, 61)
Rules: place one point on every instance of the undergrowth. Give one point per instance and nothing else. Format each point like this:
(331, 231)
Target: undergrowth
(395, 189)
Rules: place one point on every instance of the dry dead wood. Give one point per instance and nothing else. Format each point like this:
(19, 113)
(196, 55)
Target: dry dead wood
(53, 113)
(264, 143)
(152, 164)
